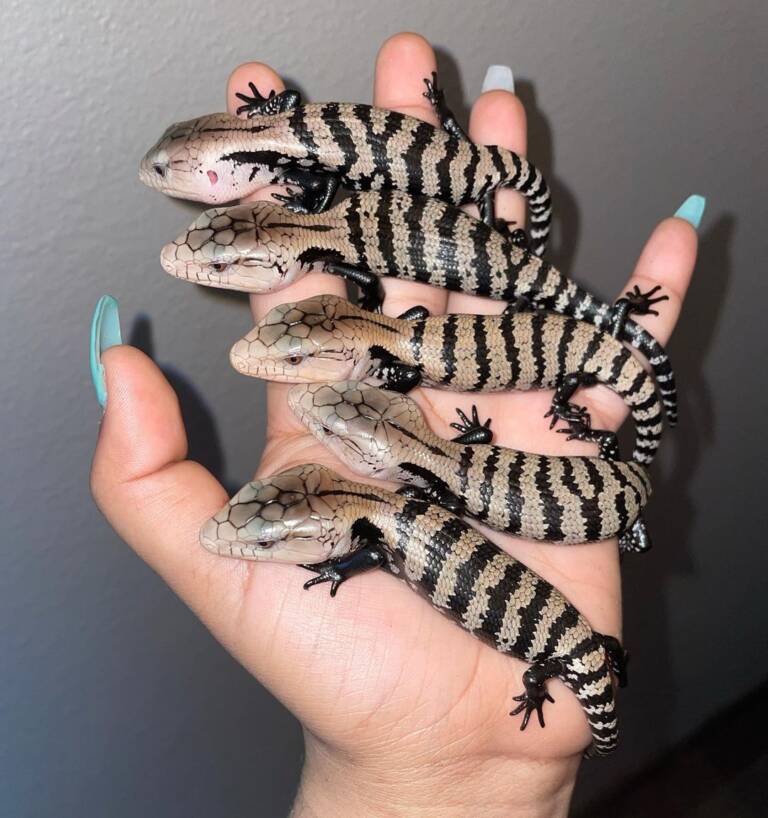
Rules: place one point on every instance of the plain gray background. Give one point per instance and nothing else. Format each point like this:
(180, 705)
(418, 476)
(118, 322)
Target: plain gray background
(113, 698)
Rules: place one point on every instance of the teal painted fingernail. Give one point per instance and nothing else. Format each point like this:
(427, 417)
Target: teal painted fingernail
(105, 333)
(498, 78)
(692, 209)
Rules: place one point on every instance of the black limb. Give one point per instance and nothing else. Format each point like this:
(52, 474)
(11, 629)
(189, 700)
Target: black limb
(417, 313)
(617, 657)
(608, 442)
(273, 103)
(367, 556)
(519, 237)
(435, 490)
(636, 539)
(562, 408)
(472, 431)
(371, 296)
(532, 700)
(634, 302)
(487, 206)
(520, 304)
(447, 119)
(394, 374)
(315, 194)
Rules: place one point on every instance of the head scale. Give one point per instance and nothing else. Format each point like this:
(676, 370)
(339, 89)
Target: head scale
(309, 341)
(371, 430)
(283, 518)
(234, 248)
(195, 160)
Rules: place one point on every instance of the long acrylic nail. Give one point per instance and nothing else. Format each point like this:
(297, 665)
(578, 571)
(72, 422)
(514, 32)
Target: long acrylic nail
(692, 209)
(105, 333)
(498, 78)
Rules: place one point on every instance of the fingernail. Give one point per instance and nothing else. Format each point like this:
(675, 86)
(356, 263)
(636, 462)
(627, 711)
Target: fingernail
(498, 78)
(692, 209)
(105, 333)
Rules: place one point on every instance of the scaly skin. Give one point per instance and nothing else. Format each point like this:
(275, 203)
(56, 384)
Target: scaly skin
(383, 435)
(326, 338)
(310, 515)
(261, 247)
(220, 157)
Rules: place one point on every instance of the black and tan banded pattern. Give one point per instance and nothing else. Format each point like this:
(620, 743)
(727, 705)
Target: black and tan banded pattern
(383, 434)
(326, 338)
(369, 148)
(261, 247)
(481, 588)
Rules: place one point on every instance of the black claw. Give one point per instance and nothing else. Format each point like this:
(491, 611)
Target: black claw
(472, 430)
(268, 105)
(325, 573)
(639, 303)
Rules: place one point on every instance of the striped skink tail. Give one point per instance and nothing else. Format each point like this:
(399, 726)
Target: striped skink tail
(571, 299)
(637, 388)
(525, 178)
(661, 366)
(588, 673)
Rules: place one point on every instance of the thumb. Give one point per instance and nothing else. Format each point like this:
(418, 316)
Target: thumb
(154, 498)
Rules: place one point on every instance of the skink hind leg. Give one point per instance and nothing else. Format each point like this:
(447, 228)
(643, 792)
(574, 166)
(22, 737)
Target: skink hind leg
(436, 98)
(472, 431)
(562, 408)
(608, 442)
(634, 302)
(316, 191)
(636, 539)
(366, 557)
(532, 700)
(256, 104)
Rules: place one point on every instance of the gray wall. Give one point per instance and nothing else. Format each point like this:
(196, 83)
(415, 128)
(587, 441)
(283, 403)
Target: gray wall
(113, 699)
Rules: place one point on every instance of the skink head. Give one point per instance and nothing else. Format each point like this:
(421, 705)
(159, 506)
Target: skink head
(199, 160)
(235, 248)
(284, 518)
(319, 339)
(371, 430)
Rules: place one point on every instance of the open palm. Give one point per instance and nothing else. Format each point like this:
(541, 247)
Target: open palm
(376, 676)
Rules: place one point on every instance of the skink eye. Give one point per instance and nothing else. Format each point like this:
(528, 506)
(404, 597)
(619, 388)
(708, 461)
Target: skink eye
(219, 266)
(294, 359)
(160, 169)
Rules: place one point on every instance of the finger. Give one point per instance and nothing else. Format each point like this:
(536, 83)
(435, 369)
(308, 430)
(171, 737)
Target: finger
(265, 79)
(497, 118)
(667, 259)
(154, 498)
(157, 501)
(403, 63)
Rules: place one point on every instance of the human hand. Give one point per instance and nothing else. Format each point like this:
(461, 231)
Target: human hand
(403, 712)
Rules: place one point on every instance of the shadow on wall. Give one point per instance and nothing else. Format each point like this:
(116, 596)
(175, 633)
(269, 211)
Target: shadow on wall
(566, 217)
(202, 434)
(720, 771)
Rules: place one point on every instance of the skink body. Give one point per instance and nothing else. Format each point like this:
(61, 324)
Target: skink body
(383, 434)
(220, 157)
(325, 338)
(310, 515)
(262, 247)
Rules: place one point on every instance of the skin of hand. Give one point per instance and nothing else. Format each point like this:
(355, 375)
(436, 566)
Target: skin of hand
(403, 712)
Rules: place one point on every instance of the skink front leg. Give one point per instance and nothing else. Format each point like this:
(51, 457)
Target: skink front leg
(472, 431)
(372, 295)
(274, 103)
(394, 374)
(316, 190)
(369, 555)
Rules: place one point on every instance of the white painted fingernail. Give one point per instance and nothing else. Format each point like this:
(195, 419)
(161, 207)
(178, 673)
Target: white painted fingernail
(498, 78)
